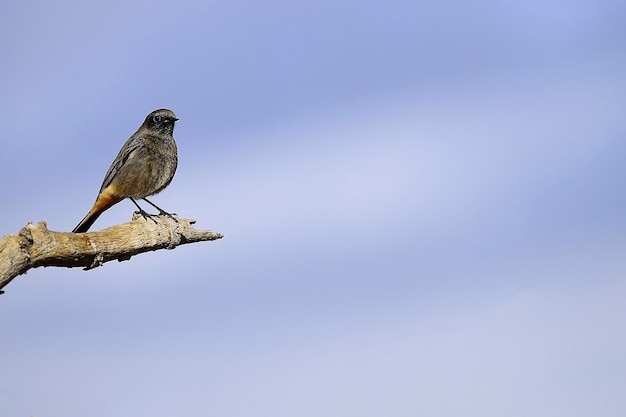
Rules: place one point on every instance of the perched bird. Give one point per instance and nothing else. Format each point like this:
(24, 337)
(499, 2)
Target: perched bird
(144, 166)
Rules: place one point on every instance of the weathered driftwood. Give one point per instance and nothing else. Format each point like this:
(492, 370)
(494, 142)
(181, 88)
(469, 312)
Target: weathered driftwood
(36, 246)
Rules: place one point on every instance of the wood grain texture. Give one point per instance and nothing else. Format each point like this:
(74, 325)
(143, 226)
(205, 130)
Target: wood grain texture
(34, 245)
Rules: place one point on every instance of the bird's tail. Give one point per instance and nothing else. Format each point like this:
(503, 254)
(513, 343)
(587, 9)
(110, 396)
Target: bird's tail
(105, 199)
(86, 223)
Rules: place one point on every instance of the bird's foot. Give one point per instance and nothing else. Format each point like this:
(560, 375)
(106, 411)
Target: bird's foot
(147, 215)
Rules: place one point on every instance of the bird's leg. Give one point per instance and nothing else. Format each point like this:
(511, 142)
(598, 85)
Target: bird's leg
(145, 214)
(161, 211)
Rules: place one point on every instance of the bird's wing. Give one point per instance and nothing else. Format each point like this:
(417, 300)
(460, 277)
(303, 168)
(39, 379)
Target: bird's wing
(127, 151)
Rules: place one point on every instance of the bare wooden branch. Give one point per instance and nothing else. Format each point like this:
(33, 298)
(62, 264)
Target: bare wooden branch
(36, 246)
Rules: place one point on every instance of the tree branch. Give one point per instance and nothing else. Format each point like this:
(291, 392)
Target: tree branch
(36, 246)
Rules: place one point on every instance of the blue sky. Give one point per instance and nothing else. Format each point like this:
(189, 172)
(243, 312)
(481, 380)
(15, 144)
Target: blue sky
(421, 201)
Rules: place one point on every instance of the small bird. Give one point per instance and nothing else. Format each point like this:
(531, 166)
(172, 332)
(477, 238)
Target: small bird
(144, 166)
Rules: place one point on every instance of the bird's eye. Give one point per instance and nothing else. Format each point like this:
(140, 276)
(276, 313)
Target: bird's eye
(157, 118)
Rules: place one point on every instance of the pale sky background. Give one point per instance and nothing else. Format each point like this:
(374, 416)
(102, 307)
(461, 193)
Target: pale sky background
(423, 207)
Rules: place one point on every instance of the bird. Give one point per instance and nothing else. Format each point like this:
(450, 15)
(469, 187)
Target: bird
(145, 165)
